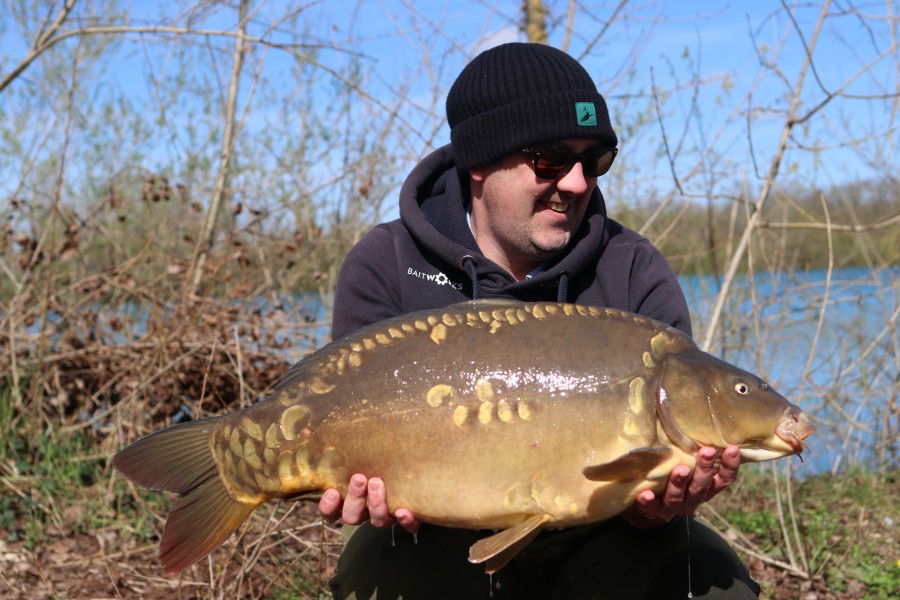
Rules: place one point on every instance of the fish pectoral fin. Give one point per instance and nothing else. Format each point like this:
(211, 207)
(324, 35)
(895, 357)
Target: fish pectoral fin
(500, 548)
(630, 466)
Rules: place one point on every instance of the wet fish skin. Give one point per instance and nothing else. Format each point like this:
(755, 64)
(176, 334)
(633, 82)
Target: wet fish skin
(488, 414)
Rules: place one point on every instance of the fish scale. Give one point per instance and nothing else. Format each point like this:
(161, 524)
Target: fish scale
(485, 415)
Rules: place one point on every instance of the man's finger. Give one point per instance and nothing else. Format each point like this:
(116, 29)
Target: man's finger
(330, 505)
(702, 479)
(377, 503)
(407, 520)
(676, 488)
(354, 511)
(728, 471)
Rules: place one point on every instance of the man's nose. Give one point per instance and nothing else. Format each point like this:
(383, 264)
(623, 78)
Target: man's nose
(574, 182)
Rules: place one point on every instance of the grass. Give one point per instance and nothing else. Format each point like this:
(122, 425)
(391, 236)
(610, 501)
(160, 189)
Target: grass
(846, 543)
(53, 482)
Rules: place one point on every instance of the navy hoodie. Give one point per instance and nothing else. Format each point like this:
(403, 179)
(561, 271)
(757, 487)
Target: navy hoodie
(428, 258)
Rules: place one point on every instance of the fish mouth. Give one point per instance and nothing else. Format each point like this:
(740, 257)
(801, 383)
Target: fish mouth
(794, 428)
(788, 439)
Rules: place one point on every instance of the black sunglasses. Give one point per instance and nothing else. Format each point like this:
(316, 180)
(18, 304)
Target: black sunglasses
(554, 163)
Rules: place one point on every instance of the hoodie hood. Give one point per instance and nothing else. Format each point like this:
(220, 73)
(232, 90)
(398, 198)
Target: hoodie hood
(433, 207)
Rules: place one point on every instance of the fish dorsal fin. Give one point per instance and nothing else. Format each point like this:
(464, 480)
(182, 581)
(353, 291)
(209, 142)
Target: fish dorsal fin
(630, 466)
(500, 548)
(301, 370)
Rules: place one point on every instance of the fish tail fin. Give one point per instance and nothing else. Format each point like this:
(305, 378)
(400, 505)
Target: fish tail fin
(199, 523)
(179, 459)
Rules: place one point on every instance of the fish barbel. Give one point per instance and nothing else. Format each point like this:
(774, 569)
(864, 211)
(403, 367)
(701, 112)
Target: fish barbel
(483, 415)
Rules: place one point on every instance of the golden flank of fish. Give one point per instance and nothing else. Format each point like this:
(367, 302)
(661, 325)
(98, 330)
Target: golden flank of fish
(484, 415)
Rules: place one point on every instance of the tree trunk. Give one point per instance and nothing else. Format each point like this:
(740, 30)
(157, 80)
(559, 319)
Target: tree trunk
(535, 21)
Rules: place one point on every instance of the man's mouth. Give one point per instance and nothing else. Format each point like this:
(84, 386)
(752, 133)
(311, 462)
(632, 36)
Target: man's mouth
(559, 207)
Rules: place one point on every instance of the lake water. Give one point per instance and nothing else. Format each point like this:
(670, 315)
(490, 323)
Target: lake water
(830, 346)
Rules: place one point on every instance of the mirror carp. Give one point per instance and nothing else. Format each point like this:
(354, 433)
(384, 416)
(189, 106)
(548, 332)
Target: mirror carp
(488, 414)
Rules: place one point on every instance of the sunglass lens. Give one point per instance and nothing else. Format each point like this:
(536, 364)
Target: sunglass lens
(554, 165)
(549, 168)
(599, 163)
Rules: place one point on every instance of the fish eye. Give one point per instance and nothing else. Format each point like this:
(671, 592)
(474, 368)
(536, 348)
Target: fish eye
(742, 388)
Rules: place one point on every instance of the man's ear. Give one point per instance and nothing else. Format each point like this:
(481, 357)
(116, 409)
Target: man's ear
(477, 174)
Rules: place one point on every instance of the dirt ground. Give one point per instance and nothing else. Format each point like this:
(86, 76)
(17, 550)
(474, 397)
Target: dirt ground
(290, 556)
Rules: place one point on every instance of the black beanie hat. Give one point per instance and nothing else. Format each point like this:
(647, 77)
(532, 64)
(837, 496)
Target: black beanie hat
(521, 94)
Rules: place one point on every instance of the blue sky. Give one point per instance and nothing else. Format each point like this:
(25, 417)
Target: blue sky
(721, 110)
(672, 45)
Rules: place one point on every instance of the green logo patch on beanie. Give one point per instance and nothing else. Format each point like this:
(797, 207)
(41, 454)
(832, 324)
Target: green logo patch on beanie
(586, 113)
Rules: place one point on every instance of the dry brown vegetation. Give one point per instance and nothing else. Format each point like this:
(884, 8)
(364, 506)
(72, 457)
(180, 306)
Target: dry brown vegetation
(169, 258)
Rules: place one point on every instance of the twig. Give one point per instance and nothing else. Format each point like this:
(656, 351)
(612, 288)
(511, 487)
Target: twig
(198, 259)
(781, 521)
(771, 561)
(825, 298)
(242, 394)
(164, 29)
(790, 122)
(831, 226)
(747, 547)
(607, 23)
(889, 327)
(41, 42)
(795, 522)
(662, 128)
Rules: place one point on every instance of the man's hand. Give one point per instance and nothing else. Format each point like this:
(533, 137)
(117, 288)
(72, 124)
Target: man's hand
(686, 491)
(366, 499)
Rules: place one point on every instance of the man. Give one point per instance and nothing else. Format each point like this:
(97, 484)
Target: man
(511, 209)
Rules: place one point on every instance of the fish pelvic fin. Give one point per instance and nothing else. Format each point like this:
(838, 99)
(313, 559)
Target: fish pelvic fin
(628, 467)
(180, 459)
(497, 550)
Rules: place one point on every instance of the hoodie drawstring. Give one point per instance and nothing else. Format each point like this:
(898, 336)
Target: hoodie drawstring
(469, 263)
(562, 292)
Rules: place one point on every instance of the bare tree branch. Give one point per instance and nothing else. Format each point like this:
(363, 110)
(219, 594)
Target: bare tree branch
(714, 320)
(830, 227)
(292, 49)
(42, 42)
(198, 259)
